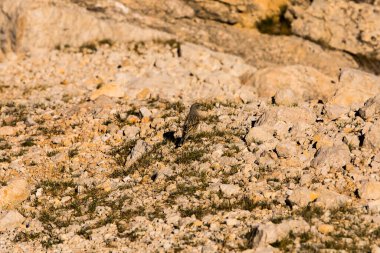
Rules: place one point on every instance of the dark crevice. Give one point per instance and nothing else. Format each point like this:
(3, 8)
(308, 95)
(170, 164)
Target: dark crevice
(367, 63)
(276, 25)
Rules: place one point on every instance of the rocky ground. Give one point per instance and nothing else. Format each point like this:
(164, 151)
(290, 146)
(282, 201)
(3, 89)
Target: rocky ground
(286, 157)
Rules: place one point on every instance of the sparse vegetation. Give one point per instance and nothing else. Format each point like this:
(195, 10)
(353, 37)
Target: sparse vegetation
(88, 48)
(29, 142)
(73, 152)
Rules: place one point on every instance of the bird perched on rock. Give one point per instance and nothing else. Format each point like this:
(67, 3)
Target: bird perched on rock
(191, 123)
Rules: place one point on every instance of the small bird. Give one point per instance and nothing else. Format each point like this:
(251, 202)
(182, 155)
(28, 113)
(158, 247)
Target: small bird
(191, 123)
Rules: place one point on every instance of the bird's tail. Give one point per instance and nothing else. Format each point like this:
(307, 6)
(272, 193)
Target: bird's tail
(181, 141)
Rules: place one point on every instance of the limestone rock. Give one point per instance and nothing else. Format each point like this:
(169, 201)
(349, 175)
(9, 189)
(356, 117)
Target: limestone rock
(7, 130)
(374, 206)
(110, 90)
(331, 199)
(372, 137)
(145, 112)
(369, 190)
(371, 108)
(16, 191)
(304, 82)
(335, 156)
(229, 189)
(138, 150)
(286, 149)
(258, 135)
(30, 25)
(291, 115)
(11, 220)
(355, 88)
(334, 111)
(328, 21)
(270, 233)
(302, 196)
(286, 97)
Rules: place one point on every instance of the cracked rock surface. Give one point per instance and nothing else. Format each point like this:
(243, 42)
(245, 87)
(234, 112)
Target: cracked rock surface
(286, 157)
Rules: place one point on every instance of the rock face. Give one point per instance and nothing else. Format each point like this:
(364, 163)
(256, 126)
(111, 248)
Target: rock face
(305, 82)
(371, 108)
(335, 156)
(372, 138)
(286, 156)
(270, 233)
(32, 21)
(10, 220)
(370, 190)
(343, 25)
(355, 88)
(245, 13)
(14, 193)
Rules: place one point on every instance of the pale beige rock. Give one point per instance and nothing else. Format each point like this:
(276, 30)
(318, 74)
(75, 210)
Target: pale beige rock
(374, 206)
(145, 112)
(110, 90)
(286, 149)
(369, 190)
(7, 130)
(371, 108)
(143, 94)
(331, 199)
(302, 196)
(229, 189)
(336, 156)
(375, 249)
(372, 138)
(291, 115)
(16, 191)
(305, 82)
(269, 233)
(334, 111)
(286, 97)
(138, 150)
(355, 88)
(327, 21)
(30, 25)
(11, 220)
(258, 135)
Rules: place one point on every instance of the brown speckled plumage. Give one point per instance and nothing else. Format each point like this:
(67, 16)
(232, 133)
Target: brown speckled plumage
(191, 122)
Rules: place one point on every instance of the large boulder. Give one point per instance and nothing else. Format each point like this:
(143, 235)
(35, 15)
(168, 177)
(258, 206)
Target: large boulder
(340, 24)
(372, 137)
(28, 25)
(16, 191)
(355, 88)
(305, 82)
